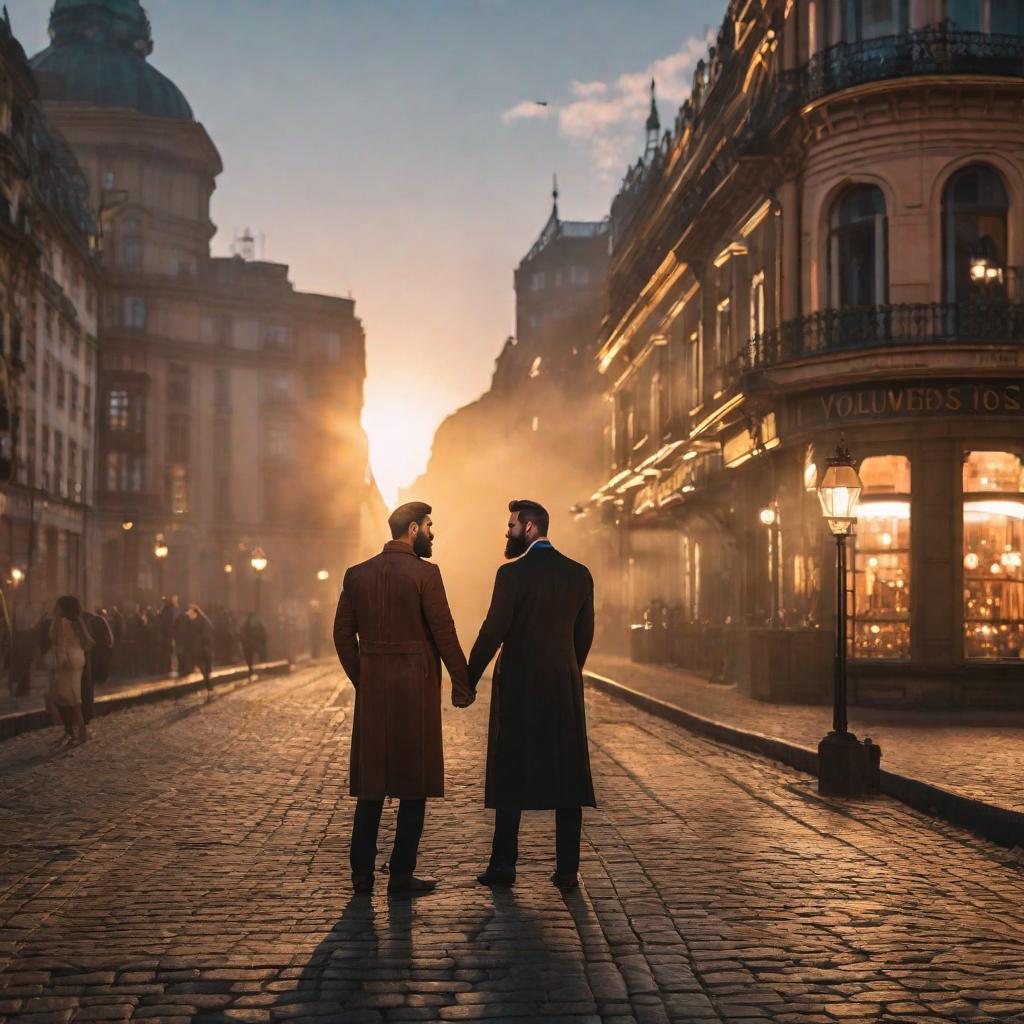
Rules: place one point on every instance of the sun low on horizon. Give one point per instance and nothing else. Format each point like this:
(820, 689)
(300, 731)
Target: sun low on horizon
(399, 429)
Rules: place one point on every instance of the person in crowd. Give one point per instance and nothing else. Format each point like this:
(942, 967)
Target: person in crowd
(254, 640)
(69, 641)
(200, 643)
(184, 656)
(134, 643)
(98, 660)
(165, 620)
(117, 622)
(25, 648)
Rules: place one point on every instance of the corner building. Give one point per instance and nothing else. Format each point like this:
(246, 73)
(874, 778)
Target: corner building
(229, 403)
(825, 247)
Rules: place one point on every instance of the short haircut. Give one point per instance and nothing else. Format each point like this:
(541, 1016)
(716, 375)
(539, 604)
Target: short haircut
(531, 512)
(405, 515)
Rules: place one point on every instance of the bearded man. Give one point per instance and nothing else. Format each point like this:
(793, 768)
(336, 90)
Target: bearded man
(392, 629)
(542, 617)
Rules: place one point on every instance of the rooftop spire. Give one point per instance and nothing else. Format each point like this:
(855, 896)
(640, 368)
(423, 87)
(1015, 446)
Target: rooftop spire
(653, 128)
(554, 196)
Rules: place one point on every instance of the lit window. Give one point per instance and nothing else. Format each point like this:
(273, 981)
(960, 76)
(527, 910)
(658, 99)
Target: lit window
(117, 410)
(974, 217)
(535, 367)
(757, 305)
(993, 544)
(880, 618)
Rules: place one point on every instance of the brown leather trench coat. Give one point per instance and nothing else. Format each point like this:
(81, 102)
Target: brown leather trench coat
(392, 629)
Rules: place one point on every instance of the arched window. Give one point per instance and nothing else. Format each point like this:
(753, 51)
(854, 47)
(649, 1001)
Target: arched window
(858, 249)
(974, 212)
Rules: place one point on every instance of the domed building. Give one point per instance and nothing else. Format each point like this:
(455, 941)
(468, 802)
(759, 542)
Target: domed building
(98, 55)
(216, 376)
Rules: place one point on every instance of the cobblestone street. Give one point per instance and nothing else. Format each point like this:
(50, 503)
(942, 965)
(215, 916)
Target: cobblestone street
(190, 862)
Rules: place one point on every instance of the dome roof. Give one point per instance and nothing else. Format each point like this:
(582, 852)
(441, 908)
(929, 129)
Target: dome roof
(98, 55)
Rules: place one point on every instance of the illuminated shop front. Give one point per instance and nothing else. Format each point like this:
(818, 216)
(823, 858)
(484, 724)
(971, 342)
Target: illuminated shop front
(880, 609)
(993, 495)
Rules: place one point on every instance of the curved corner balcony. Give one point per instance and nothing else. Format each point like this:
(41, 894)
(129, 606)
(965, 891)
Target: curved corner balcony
(867, 327)
(934, 50)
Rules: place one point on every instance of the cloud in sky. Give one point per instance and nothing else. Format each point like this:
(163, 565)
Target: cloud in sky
(606, 118)
(528, 110)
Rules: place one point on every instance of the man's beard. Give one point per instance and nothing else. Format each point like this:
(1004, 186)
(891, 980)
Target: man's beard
(422, 545)
(515, 546)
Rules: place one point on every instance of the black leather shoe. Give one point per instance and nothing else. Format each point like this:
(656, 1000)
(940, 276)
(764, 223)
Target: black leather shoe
(362, 883)
(497, 876)
(410, 885)
(565, 882)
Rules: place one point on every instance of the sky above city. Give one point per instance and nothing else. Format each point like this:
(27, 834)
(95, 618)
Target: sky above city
(394, 151)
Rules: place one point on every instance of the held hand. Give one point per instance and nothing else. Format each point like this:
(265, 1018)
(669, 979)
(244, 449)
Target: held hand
(463, 699)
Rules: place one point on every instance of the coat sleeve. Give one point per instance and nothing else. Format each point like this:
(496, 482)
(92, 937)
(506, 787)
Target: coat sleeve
(346, 642)
(442, 629)
(495, 627)
(583, 630)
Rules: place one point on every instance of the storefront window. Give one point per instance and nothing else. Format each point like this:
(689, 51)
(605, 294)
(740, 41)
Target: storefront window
(881, 565)
(993, 545)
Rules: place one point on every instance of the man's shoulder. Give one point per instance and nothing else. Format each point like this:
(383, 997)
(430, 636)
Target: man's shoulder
(565, 566)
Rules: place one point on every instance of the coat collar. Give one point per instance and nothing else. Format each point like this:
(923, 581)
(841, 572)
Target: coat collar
(399, 547)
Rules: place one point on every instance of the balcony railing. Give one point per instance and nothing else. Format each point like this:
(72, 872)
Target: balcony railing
(937, 49)
(863, 327)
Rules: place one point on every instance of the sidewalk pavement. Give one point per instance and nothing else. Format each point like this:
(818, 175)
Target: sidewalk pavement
(964, 766)
(27, 713)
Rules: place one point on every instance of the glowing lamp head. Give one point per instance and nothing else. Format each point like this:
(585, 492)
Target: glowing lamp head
(258, 560)
(323, 575)
(228, 568)
(17, 575)
(160, 549)
(767, 516)
(839, 492)
(127, 524)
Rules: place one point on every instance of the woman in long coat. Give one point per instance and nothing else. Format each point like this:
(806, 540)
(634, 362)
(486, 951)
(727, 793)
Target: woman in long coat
(69, 642)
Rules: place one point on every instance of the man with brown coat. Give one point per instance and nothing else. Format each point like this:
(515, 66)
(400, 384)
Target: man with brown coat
(392, 630)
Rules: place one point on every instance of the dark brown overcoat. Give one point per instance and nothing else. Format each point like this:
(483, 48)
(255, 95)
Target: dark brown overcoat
(392, 629)
(542, 616)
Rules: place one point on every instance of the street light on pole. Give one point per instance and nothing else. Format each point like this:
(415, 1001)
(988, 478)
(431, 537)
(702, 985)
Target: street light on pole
(160, 552)
(258, 563)
(845, 766)
(228, 570)
(769, 518)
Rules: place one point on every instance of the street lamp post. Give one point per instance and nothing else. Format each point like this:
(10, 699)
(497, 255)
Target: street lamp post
(160, 552)
(258, 563)
(228, 570)
(846, 767)
(769, 518)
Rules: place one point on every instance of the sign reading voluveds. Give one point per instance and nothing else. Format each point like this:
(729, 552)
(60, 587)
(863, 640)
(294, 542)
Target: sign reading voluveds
(894, 401)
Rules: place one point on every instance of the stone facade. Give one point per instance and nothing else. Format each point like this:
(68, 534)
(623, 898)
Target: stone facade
(825, 247)
(48, 321)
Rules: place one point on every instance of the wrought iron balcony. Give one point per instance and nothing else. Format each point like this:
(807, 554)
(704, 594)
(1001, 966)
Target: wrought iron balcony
(864, 327)
(936, 49)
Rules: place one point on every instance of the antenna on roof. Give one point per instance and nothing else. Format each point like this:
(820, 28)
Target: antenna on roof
(554, 196)
(244, 246)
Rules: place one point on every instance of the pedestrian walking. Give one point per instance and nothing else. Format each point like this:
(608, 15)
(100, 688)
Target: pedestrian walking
(254, 640)
(69, 641)
(98, 660)
(542, 617)
(200, 642)
(392, 630)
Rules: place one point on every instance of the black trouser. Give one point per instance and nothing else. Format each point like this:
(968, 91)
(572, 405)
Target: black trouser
(204, 663)
(568, 825)
(408, 830)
